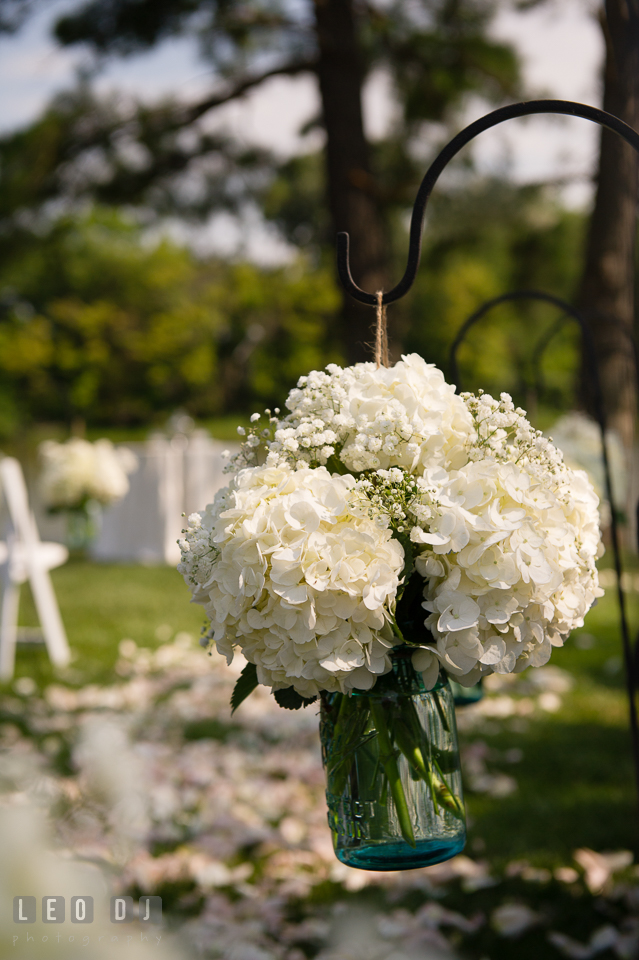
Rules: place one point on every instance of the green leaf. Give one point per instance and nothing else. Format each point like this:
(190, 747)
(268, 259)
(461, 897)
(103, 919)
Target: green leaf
(407, 545)
(410, 615)
(335, 465)
(446, 760)
(290, 699)
(246, 683)
(396, 630)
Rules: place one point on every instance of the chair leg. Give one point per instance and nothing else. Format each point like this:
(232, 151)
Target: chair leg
(49, 614)
(8, 628)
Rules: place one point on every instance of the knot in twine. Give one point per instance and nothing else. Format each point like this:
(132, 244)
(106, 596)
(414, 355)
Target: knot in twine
(381, 334)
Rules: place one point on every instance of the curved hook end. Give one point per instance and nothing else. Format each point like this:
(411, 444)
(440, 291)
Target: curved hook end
(344, 272)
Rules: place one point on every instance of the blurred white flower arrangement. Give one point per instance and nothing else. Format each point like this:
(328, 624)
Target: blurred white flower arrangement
(79, 478)
(579, 439)
(381, 510)
(77, 471)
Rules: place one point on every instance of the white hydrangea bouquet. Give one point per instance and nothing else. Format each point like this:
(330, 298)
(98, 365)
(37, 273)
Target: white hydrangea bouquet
(78, 478)
(385, 514)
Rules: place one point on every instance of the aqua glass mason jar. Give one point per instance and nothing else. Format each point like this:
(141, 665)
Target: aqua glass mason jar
(394, 788)
(465, 696)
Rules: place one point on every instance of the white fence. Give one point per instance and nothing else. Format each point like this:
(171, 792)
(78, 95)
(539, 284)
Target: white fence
(175, 476)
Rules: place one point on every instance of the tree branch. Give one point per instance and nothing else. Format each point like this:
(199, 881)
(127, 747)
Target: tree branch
(197, 110)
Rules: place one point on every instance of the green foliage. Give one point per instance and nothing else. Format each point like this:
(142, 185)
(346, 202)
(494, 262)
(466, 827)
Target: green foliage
(100, 324)
(88, 146)
(290, 699)
(483, 237)
(435, 52)
(277, 324)
(118, 329)
(482, 242)
(243, 335)
(409, 614)
(294, 201)
(246, 684)
(438, 52)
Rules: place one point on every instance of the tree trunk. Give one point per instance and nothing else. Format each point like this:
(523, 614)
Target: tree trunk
(351, 192)
(606, 293)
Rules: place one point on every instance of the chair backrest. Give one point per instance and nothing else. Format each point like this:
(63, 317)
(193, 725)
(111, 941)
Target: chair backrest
(15, 492)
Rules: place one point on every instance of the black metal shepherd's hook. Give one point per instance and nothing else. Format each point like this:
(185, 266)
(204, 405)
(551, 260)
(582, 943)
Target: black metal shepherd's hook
(532, 107)
(451, 149)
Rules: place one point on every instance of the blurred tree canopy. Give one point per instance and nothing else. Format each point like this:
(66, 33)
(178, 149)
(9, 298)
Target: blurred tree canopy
(482, 241)
(124, 330)
(100, 324)
(168, 158)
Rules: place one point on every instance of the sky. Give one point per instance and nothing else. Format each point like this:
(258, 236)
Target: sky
(561, 49)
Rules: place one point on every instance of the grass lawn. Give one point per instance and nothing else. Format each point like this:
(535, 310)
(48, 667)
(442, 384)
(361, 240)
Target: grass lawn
(575, 779)
(102, 604)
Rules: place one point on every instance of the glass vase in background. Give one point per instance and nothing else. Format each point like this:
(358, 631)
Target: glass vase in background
(391, 758)
(83, 526)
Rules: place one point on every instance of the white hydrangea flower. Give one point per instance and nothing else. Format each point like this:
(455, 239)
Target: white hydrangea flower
(77, 471)
(292, 571)
(509, 561)
(300, 568)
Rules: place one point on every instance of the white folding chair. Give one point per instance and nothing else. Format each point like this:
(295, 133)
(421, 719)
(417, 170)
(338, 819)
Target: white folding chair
(23, 556)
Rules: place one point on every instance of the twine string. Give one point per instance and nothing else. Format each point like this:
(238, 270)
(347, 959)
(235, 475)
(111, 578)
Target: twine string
(381, 332)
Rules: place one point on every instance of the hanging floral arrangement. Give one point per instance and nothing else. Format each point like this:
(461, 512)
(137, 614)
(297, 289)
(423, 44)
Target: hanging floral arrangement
(383, 535)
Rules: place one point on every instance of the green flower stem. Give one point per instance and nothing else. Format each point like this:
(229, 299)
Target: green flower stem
(446, 797)
(348, 729)
(421, 743)
(440, 710)
(408, 733)
(389, 762)
(396, 630)
(414, 755)
(384, 794)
